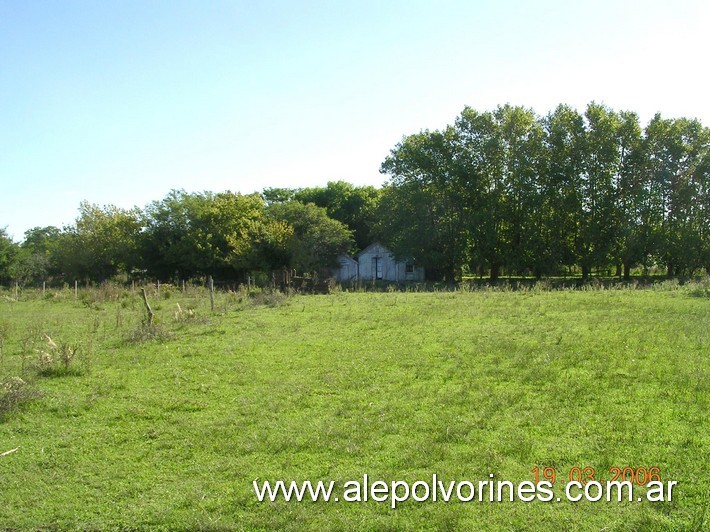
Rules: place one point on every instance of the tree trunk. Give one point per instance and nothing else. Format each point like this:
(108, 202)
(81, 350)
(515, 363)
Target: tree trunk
(618, 270)
(495, 272)
(669, 272)
(450, 274)
(627, 271)
(585, 272)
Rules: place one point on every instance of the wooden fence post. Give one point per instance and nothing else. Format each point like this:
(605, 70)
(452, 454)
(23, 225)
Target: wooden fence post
(211, 284)
(147, 308)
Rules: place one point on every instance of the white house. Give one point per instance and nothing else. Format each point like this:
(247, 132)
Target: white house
(375, 263)
(347, 269)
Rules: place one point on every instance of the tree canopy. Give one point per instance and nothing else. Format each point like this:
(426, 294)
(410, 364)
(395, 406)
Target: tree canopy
(496, 192)
(507, 189)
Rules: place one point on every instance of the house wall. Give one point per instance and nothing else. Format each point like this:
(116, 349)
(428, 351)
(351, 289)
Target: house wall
(347, 271)
(378, 257)
(373, 260)
(417, 273)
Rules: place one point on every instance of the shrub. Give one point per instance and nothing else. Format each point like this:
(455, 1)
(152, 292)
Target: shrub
(166, 291)
(14, 392)
(700, 288)
(146, 332)
(272, 298)
(57, 359)
(182, 315)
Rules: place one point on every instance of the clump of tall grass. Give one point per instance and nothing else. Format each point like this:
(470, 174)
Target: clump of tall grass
(58, 359)
(668, 285)
(111, 292)
(90, 299)
(700, 288)
(268, 298)
(543, 285)
(182, 315)
(14, 392)
(334, 287)
(4, 334)
(147, 332)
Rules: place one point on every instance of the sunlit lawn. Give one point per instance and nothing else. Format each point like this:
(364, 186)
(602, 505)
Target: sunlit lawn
(170, 432)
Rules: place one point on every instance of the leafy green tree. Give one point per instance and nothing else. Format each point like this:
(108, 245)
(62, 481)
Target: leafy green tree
(204, 234)
(278, 194)
(634, 243)
(423, 214)
(599, 228)
(314, 241)
(407, 226)
(227, 230)
(499, 160)
(269, 249)
(519, 137)
(168, 248)
(102, 242)
(29, 267)
(560, 187)
(702, 203)
(479, 167)
(36, 260)
(677, 162)
(8, 251)
(470, 194)
(351, 205)
(72, 257)
(41, 239)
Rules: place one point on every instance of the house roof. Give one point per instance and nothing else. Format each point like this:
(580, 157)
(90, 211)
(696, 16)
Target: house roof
(376, 243)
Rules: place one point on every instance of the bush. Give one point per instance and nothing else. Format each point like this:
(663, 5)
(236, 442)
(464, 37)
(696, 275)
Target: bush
(57, 359)
(700, 288)
(14, 392)
(272, 298)
(146, 333)
(184, 314)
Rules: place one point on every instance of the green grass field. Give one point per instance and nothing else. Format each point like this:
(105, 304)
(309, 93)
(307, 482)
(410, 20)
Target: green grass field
(170, 431)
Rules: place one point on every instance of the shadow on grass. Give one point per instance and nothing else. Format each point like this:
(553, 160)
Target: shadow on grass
(60, 371)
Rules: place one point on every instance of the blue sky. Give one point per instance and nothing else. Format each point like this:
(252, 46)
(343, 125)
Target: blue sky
(119, 102)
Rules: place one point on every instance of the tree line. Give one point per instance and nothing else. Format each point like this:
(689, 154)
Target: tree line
(497, 192)
(188, 235)
(508, 190)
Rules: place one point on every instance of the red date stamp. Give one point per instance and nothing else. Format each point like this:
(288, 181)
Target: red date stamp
(636, 475)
